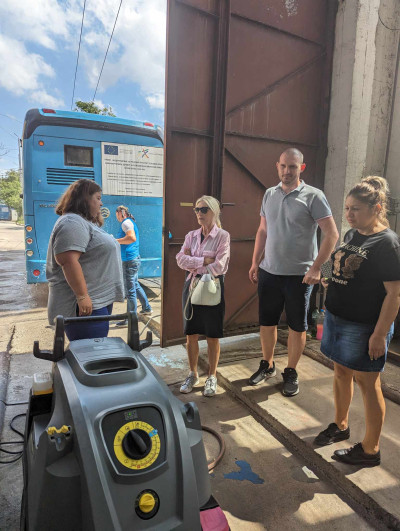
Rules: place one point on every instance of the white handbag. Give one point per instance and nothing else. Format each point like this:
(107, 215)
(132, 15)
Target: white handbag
(204, 291)
(207, 291)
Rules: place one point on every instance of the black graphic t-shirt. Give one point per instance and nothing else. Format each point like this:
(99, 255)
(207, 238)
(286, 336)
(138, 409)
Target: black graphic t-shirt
(360, 266)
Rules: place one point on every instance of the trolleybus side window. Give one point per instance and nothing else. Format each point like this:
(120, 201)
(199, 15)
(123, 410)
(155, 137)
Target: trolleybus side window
(78, 156)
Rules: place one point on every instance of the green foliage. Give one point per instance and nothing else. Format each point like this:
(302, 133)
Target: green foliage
(10, 190)
(92, 108)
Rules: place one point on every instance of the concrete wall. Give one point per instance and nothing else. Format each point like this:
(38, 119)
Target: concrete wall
(364, 67)
(392, 168)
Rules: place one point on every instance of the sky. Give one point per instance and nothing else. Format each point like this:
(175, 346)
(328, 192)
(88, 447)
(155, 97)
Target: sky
(38, 52)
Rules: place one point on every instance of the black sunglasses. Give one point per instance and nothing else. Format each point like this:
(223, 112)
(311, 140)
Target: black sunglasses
(203, 210)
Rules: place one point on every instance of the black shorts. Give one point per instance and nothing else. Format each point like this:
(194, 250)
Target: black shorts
(276, 292)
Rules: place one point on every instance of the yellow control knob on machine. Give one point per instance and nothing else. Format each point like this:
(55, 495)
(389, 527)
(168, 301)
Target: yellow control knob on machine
(147, 502)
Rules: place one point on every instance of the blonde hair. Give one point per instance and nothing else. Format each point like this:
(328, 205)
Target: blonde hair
(373, 191)
(213, 205)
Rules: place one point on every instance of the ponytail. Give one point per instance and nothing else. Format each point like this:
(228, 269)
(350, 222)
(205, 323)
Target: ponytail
(125, 209)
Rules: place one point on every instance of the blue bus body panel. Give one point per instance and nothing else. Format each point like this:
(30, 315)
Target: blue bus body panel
(5, 213)
(44, 169)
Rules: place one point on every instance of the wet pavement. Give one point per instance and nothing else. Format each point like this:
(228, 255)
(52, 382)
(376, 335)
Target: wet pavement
(16, 294)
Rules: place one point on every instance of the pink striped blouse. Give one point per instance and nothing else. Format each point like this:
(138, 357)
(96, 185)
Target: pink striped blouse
(215, 245)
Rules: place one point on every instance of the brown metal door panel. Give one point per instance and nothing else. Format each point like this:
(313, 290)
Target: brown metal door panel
(289, 112)
(258, 65)
(303, 18)
(257, 158)
(188, 163)
(173, 279)
(246, 192)
(191, 68)
(245, 80)
(295, 109)
(209, 6)
(241, 295)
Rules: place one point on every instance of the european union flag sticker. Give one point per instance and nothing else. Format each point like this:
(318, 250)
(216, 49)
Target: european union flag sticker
(110, 150)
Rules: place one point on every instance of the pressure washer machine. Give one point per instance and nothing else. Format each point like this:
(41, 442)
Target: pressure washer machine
(108, 446)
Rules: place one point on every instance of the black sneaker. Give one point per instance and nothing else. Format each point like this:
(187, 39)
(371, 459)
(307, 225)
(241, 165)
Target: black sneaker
(122, 323)
(331, 435)
(290, 382)
(263, 373)
(356, 456)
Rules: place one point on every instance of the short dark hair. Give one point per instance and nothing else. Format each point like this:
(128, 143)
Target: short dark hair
(294, 151)
(75, 200)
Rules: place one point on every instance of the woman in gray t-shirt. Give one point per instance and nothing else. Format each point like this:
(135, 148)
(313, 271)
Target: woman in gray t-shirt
(84, 268)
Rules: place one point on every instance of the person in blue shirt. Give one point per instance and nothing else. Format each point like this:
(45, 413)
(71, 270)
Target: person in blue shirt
(128, 237)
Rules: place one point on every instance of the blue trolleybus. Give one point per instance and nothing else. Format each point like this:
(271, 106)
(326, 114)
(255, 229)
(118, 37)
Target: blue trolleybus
(124, 157)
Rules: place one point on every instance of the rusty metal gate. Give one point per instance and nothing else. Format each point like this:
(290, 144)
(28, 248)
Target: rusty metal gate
(245, 80)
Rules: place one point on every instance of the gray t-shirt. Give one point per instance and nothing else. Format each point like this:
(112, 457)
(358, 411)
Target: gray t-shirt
(291, 245)
(100, 261)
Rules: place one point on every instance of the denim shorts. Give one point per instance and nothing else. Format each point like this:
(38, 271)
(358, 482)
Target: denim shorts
(346, 342)
(276, 292)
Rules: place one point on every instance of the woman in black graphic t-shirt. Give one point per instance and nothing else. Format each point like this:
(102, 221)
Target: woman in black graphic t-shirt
(362, 303)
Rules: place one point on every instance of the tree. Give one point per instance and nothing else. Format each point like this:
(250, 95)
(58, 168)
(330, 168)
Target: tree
(10, 191)
(92, 108)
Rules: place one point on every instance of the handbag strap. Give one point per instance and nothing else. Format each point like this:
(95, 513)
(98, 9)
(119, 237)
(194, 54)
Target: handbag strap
(185, 308)
(192, 285)
(210, 272)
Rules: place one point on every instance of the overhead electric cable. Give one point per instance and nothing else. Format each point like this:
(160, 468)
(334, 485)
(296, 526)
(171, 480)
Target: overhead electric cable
(11, 117)
(108, 47)
(77, 58)
(8, 132)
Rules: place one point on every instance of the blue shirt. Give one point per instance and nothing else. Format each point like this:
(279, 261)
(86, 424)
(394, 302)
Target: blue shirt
(129, 251)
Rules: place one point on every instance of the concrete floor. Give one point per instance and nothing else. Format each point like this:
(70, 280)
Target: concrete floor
(271, 465)
(259, 483)
(299, 419)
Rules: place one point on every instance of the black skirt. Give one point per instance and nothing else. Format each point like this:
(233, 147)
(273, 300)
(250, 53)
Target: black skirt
(207, 320)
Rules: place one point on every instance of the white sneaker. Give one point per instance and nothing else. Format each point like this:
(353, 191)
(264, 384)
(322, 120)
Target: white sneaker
(210, 387)
(189, 383)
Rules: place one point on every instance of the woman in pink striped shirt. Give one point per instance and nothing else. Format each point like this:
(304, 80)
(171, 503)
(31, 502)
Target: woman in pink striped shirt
(205, 249)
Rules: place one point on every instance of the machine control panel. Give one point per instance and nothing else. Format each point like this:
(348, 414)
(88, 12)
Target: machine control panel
(135, 438)
(137, 445)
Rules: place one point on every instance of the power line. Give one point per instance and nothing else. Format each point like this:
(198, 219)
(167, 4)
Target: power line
(11, 118)
(108, 47)
(77, 58)
(8, 132)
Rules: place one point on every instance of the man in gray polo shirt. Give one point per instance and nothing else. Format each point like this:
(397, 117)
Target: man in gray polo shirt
(290, 215)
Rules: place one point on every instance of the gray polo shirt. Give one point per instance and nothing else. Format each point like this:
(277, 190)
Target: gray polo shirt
(291, 245)
(100, 261)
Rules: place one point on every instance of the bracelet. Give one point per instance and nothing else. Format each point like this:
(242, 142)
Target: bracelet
(83, 297)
